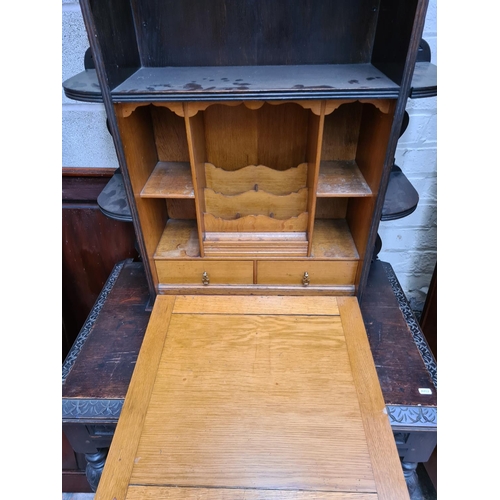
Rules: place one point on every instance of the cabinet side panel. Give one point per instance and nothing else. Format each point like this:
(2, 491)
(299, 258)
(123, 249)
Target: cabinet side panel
(393, 36)
(114, 27)
(140, 152)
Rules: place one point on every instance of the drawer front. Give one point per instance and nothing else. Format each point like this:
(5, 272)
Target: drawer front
(217, 272)
(318, 272)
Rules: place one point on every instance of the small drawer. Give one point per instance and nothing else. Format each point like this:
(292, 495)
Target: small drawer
(304, 273)
(193, 272)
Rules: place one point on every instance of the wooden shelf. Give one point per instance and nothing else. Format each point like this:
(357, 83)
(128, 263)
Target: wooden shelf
(169, 179)
(179, 240)
(255, 82)
(341, 179)
(332, 240)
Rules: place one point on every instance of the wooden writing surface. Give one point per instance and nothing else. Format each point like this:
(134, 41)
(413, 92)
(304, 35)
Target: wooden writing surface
(280, 401)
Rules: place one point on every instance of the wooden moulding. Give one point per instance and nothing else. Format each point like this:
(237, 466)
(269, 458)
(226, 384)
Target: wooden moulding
(252, 290)
(190, 109)
(120, 461)
(250, 223)
(169, 180)
(252, 245)
(256, 203)
(256, 177)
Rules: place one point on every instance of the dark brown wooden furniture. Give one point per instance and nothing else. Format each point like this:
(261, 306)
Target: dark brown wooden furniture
(91, 245)
(256, 142)
(98, 369)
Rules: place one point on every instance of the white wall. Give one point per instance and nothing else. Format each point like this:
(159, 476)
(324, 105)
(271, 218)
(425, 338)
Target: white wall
(409, 244)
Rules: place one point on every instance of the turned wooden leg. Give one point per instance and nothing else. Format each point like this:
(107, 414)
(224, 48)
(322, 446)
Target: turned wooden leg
(95, 465)
(410, 474)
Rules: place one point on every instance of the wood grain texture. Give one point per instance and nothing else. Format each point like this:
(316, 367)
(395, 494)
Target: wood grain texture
(341, 132)
(384, 457)
(251, 401)
(179, 240)
(320, 272)
(256, 203)
(256, 223)
(314, 140)
(195, 131)
(256, 177)
(139, 147)
(333, 240)
(252, 33)
(252, 290)
(342, 179)
(237, 136)
(331, 208)
(256, 249)
(176, 493)
(115, 478)
(170, 134)
(374, 133)
(191, 271)
(169, 180)
(261, 304)
(181, 208)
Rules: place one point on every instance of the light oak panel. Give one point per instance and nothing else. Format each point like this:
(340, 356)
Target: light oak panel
(175, 493)
(137, 135)
(320, 272)
(341, 179)
(249, 401)
(170, 134)
(341, 133)
(333, 240)
(256, 203)
(331, 208)
(195, 132)
(256, 244)
(191, 271)
(231, 136)
(257, 178)
(118, 468)
(256, 223)
(314, 140)
(258, 304)
(179, 240)
(180, 208)
(270, 290)
(169, 180)
(383, 452)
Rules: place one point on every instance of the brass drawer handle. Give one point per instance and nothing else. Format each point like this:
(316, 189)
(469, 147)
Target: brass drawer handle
(305, 279)
(205, 279)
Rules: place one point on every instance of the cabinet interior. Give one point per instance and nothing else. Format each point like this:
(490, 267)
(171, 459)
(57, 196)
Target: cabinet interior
(255, 181)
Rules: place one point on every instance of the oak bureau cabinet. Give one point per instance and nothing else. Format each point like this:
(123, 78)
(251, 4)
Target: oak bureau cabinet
(255, 140)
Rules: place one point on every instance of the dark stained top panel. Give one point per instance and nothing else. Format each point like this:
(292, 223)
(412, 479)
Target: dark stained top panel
(424, 82)
(255, 82)
(239, 82)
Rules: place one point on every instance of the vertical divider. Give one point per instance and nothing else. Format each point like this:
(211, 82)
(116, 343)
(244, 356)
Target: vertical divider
(314, 145)
(195, 132)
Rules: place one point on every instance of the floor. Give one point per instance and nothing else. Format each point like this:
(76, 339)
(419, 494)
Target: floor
(424, 490)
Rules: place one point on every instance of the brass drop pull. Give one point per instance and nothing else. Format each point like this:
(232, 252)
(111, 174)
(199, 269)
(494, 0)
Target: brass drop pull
(205, 279)
(305, 279)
